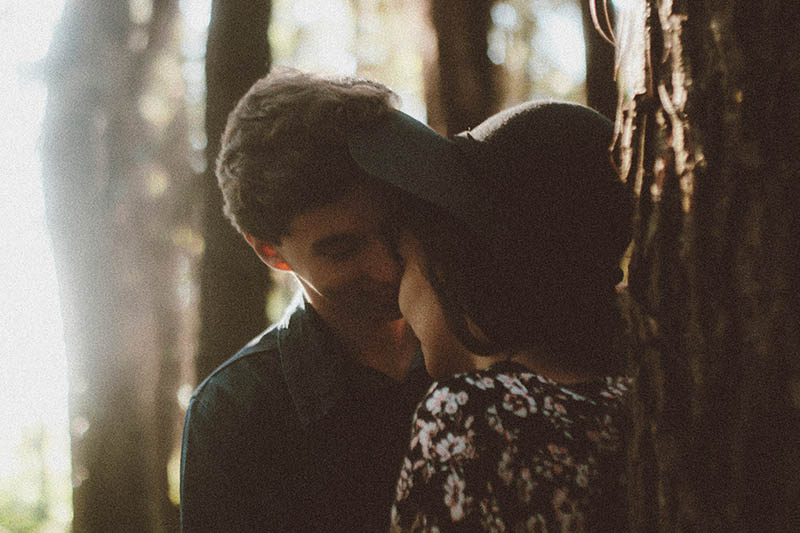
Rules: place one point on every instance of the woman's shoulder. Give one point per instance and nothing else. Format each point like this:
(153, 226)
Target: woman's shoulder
(511, 390)
(480, 390)
(510, 377)
(488, 382)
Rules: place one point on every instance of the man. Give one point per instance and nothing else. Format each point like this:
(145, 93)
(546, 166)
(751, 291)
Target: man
(304, 429)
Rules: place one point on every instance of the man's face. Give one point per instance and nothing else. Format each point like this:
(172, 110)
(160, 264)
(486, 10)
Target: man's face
(342, 259)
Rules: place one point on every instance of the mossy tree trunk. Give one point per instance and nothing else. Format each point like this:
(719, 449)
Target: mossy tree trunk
(709, 126)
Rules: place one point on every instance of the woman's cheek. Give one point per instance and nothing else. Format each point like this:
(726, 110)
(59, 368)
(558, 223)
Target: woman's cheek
(402, 296)
(414, 300)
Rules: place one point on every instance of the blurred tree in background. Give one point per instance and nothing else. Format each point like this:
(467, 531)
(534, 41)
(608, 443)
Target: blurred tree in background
(464, 84)
(601, 84)
(116, 184)
(710, 122)
(233, 281)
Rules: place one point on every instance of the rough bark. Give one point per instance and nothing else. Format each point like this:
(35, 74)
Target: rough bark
(707, 141)
(233, 282)
(113, 265)
(462, 86)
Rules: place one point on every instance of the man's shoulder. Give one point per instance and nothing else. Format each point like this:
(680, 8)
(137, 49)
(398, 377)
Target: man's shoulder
(252, 369)
(256, 369)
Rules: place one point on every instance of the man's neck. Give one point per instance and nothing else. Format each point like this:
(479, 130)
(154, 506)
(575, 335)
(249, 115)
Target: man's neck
(388, 347)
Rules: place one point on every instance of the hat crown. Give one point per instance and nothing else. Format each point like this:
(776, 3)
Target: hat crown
(545, 175)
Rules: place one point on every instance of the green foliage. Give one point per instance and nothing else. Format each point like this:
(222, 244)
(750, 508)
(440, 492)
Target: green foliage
(35, 495)
(19, 516)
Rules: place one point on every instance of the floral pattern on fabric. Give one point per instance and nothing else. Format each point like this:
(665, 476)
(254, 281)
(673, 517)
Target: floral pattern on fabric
(508, 450)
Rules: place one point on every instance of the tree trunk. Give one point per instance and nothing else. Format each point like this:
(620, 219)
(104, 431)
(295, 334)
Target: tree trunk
(709, 144)
(233, 282)
(601, 86)
(463, 86)
(113, 261)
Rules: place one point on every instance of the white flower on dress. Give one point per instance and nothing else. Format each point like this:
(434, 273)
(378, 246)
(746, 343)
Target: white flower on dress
(454, 497)
(504, 470)
(536, 523)
(577, 397)
(568, 514)
(482, 383)
(519, 404)
(404, 481)
(454, 401)
(468, 423)
(582, 476)
(525, 485)
(435, 399)
(490, 513)
(444, 400)
(462, 397)
(451, 446)
(495, 422)
(512, 383)
(559, 453)
(425, 433)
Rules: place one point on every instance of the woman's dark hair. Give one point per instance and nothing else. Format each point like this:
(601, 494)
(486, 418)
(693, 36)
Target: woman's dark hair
(448, 251)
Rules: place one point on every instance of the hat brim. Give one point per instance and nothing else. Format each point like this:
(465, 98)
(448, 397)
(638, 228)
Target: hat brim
(406, 153)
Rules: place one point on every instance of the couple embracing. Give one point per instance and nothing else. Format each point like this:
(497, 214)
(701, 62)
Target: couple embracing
(450, 362)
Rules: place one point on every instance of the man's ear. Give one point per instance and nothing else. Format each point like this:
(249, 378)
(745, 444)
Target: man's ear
(268, 254)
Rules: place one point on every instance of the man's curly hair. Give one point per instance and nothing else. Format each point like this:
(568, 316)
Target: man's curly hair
(284, 150)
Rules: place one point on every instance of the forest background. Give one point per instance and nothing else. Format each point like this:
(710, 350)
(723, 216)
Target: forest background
(123, 286)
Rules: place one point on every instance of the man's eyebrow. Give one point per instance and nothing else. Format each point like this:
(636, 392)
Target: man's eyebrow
(327, 244)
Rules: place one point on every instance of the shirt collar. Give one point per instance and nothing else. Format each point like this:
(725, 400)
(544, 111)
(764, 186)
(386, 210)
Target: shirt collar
(318, 369)
(312, 362)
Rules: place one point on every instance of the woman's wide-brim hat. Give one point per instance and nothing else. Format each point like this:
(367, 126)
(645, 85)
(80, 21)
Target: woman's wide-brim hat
(406, 153)
(540, 171)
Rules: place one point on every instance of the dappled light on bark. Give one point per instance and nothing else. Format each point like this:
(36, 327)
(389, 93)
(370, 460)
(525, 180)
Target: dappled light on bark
(702, 129)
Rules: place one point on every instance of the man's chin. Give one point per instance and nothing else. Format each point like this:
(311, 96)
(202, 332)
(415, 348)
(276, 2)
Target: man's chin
(386, 313)
(376, 306)
(377, 310)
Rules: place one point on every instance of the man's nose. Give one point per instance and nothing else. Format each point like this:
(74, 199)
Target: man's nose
(383, 263)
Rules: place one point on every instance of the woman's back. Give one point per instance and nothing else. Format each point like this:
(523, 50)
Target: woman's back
(507, 450)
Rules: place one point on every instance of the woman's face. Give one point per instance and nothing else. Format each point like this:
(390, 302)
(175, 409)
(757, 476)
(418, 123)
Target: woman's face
(420, 306)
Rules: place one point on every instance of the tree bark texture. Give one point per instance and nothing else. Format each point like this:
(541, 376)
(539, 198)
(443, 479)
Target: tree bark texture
(233, 282)
(115, 261)
(463, 86)
(709, 123)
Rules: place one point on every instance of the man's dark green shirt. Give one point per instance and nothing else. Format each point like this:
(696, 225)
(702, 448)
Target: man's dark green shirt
(292, 434)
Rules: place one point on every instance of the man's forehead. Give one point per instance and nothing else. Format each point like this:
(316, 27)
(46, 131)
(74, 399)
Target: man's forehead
(332, 240)
(358, 211)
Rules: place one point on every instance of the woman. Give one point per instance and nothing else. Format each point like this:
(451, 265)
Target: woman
(511, 241)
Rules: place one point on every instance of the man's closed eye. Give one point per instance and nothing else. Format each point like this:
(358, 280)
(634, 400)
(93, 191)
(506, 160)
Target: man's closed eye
(339, 248)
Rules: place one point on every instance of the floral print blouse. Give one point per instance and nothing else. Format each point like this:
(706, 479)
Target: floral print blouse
(508, 450)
